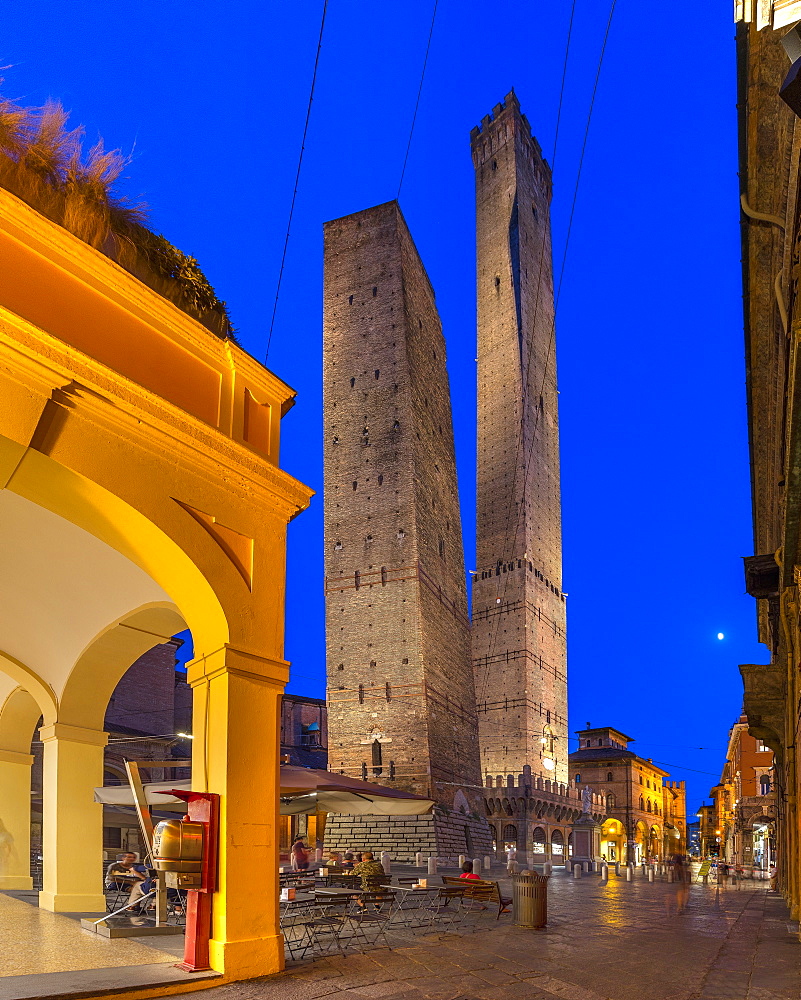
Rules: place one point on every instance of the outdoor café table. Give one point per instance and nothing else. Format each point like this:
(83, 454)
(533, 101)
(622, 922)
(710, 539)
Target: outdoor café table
(412, 905)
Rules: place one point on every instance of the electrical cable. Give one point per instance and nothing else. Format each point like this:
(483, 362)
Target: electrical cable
(419, 93)
(556, 299)
(485, 683)
(297, 179)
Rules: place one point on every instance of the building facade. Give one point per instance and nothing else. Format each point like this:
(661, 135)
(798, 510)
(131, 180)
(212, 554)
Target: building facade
(400, 683)
(519, 639)
(644, 815)
(769, 174)
(742, 818)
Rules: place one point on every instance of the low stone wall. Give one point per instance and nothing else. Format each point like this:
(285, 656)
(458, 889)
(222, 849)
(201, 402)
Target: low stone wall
(443, 835)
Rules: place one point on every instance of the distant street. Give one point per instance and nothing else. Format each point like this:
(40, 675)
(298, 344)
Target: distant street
(623, 941)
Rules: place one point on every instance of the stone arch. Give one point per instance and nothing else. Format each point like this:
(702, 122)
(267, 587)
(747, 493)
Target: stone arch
(101, 666)
(19, 675)
(19, 714)
(539, 840)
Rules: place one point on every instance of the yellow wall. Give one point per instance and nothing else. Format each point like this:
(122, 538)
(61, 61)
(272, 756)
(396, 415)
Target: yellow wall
(131, 432)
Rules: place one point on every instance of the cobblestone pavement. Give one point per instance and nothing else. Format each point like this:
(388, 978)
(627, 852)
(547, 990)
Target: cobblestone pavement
(621, 941)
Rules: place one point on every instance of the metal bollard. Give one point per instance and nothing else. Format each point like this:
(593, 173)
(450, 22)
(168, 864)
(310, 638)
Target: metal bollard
(585, 865)
(462, 859)
(318, 854)
(628, 873)
(386, 862)
(576, 871)
(617, 868)
(487, 862)
(432, 866)
(670, 874)
(547, 868)
(650, 874)
(604, 873)
(418, 859)
(477, 866)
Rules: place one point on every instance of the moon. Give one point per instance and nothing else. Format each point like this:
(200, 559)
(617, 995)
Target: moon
(721, 635)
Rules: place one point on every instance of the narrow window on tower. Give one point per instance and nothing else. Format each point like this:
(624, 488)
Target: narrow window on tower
(350, 300)
(361, 694)
(388, 691)
(352, 382)
(375, 291)
(377, 768)
(442, 548)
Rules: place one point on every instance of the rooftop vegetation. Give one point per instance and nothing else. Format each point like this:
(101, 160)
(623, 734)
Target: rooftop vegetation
(44, 163)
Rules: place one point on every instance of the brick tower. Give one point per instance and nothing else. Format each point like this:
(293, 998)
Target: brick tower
(400, 683)
(519, 649)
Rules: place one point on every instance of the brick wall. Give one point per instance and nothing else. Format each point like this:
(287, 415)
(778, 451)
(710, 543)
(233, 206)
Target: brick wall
(400, 685)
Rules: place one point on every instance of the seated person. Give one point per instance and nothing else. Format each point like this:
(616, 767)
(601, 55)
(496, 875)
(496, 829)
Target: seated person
(124, 873)
(370, 871)
(347, 861)
(334, 860)
(467, 872)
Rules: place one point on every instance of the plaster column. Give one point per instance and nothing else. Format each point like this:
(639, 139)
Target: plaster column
(72, 822)
(237, 703)
(15, 820)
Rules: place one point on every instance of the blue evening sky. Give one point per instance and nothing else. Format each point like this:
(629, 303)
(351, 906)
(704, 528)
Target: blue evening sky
(211, 99)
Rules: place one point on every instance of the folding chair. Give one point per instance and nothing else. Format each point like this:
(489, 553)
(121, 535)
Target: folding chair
(328, 920)
(116, 894)
(373, 909)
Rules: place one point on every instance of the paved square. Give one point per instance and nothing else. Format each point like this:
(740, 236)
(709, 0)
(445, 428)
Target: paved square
(621, 941)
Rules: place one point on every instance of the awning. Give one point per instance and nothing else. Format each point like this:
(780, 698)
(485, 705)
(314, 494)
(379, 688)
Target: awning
(304, 791)
(156, 794)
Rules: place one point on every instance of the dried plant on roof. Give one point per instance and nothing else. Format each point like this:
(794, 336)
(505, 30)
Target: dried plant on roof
(44, 163)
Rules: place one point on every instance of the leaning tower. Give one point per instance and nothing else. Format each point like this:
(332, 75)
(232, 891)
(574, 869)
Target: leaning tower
(401, 704)
(519, 647)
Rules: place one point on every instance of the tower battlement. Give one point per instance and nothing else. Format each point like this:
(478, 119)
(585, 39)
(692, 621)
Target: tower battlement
(504, 122)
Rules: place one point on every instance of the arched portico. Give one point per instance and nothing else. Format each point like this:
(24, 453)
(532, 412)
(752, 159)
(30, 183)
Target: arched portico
(133, 506)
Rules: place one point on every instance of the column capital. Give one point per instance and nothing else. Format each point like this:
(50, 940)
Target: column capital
(236, 660)
(72, 734)
(14, 757)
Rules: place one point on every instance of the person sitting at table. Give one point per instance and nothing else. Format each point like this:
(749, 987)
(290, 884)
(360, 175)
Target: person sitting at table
(125, 873)
(334, 859)
(370, 871)
(299, 855)
(467, 871)
(347, 861)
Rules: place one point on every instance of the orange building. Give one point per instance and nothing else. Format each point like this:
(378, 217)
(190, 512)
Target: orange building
(740, 824)
(645, 815)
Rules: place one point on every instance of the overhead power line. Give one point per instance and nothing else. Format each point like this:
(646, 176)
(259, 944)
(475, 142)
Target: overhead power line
(419, 93)
(297, 178)
(551, 337)
(494, 636)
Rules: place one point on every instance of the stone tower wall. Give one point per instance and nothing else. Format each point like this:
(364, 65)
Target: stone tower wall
(398, 646)
(519, 647)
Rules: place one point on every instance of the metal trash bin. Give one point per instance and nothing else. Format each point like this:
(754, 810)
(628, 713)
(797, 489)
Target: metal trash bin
(530, 899)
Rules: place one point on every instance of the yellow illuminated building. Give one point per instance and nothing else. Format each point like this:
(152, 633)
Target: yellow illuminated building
(140, 494)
